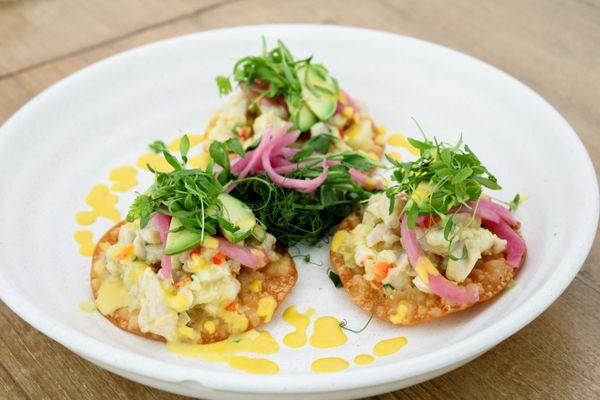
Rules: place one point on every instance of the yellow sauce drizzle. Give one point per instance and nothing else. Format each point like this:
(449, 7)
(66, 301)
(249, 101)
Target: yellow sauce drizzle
(329, 364)
(112, 295)
(199, 161)
(389, 346)
(300, 322)
(194, 140)
(124, 178)
(363, 359)
(227, 351)
(254, 365)
(328, 333)
(102, 204)
(398, 140)
(88, 306)
(266, 308)
(395, 155)
(85, 240)
(156, 161)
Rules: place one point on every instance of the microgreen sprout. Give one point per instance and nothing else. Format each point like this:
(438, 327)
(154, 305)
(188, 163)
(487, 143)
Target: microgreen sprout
(443, 177)
(158, 146)
(343, 324)
(189, 195)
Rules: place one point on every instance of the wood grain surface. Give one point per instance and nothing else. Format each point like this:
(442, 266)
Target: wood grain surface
(553, 46)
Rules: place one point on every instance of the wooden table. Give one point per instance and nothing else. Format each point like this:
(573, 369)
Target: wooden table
(552, 46)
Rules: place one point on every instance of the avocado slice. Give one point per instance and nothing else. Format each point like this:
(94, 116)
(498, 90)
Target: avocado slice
(238, 214)
(305, 118)
(319, 90)
(259, 233)
(180, 241)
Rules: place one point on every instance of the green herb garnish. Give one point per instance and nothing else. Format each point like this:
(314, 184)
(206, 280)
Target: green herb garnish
(307, 259)
(158, 146)
(277, 74)
(443, 177)
(292, 216)
(343, 324)
(224, 85)
(514, 203)
(335, 278)
(190, 195)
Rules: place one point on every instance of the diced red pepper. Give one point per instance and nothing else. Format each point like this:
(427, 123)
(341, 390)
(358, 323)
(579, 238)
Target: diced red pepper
(233, 306)
(183, 282)
(430, 221)
(218, 258)
(381, 270)
(245, 132)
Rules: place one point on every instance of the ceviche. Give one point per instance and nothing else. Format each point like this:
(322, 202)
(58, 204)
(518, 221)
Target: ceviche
(433, 243)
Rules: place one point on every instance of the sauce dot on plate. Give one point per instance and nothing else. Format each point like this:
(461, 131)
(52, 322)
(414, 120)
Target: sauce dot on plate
(363, 359)
(395, 155)
(102, 203)
(300, 322)
(398, 140)
(329, 364)
(328, 333)
(389, 346)
(254, 365)
(86, 243)
(124, 178)
(156, 161)
(233, 350)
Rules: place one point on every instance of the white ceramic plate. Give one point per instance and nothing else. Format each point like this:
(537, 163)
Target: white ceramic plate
(68, 138)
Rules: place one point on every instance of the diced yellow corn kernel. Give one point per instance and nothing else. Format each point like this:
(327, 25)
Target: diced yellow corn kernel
(210, 242)
(198, 263)
(348, 112)
(255, 286)
(186, 332)
(209, 327)
(178, 303)
(400, 314)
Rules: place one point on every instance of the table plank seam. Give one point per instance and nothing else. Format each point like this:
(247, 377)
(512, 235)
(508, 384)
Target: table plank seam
(17, 385)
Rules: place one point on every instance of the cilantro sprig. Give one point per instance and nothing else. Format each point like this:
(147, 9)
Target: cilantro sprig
(443, 177)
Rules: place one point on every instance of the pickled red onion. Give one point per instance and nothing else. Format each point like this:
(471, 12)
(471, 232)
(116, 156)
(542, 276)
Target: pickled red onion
(410, 243)
(162, 222)
(241, 254)
(438, 284)
(451, 291)
(362, 179)
(515, 247)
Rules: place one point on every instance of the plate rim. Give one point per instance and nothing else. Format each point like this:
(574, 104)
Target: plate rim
(305, 382)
